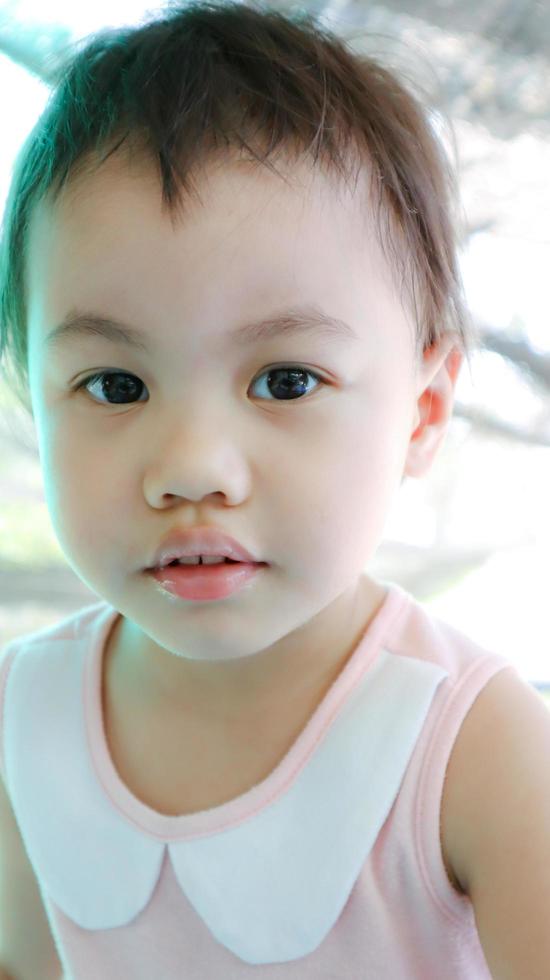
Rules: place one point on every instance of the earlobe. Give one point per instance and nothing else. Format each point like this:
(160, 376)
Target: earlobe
(434, 408)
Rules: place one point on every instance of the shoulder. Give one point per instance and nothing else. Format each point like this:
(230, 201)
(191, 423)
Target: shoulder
(496, 816)
(505, 731)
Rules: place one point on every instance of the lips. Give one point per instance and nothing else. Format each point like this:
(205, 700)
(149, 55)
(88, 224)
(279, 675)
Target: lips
(206, 582)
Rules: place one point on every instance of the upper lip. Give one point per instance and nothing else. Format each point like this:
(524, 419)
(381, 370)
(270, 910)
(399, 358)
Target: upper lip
(191, 542)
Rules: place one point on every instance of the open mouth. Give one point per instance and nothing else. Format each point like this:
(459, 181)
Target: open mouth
(185, 564)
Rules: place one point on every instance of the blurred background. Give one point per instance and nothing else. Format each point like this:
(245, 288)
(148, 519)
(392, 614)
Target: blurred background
(472, 539)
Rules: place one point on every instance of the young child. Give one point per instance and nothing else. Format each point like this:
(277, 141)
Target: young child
(231, 303)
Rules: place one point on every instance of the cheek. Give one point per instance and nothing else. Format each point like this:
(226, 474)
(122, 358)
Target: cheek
(345, 484)
(367, 450)
(83, 493)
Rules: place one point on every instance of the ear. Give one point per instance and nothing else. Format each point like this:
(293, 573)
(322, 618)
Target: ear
(436, 380)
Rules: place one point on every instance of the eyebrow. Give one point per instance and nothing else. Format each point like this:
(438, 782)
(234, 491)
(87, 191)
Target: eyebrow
(300, 320)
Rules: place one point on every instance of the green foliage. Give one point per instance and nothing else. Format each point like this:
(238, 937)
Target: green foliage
(27, 539)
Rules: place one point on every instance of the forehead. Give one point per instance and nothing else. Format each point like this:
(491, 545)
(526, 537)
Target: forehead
(238, 203)
(252, 241)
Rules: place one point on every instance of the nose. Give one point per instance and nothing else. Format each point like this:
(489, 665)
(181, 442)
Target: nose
(195, 467)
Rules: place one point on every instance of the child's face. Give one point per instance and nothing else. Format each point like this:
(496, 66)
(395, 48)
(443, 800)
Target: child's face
(305, 483)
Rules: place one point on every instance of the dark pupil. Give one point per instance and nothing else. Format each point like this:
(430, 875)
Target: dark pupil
(287, 388)
(119, 386)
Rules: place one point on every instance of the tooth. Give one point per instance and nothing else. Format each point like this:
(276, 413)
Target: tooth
(206, 560)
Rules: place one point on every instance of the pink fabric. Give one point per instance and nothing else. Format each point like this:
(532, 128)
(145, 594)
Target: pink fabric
(372, 906)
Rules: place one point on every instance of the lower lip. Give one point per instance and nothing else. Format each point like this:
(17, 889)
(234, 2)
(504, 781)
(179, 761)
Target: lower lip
(205, 581)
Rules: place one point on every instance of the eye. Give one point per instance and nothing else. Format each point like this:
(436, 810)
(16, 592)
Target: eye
(287, 382)
(108, 382)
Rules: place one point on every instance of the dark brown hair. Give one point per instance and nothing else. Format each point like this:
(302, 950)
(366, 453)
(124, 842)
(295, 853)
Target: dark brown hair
(206, 78)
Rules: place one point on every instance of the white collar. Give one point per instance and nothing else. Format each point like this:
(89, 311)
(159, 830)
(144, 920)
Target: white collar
(271, 886)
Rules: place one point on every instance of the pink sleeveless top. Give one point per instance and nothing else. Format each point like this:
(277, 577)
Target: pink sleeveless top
(330, 868)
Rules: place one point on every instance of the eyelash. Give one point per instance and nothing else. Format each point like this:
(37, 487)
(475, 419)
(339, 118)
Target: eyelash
(98, 375)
